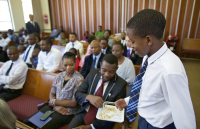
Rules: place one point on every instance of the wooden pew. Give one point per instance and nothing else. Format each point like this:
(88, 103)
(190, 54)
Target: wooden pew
(191, 46)
(85, 46)
(12, 43)
(56, 42)
(37, 82)
(61, 48)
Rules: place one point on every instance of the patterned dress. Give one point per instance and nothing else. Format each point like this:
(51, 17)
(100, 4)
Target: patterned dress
(67, 92)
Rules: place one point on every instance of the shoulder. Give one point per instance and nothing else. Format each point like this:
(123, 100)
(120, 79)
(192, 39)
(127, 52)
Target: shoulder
(79, 43)
(94, 71)
(56, 51)
(22, 63)
(128, 61)
(120, 81)
(171, 63)
(89, 56)
(78, 76)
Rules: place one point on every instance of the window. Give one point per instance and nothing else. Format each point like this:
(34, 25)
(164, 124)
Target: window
(27, 9)
(5, 16)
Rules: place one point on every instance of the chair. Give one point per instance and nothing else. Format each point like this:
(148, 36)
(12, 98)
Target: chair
(12, 43)
(85, 46)
(56, 42)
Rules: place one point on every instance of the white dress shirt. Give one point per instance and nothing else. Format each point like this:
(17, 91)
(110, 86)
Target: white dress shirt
(28, 61)
(126, 70)
(104, 50)
(123, 42)
(51, 61)
(4, 42)
(97, 59)
(104, 89)
(17, 75)
(32, 22)
(77, 45)
(164, 95)
(21, 56)
(131, 49)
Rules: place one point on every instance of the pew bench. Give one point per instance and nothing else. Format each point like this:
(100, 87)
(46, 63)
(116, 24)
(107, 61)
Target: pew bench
(35, 91)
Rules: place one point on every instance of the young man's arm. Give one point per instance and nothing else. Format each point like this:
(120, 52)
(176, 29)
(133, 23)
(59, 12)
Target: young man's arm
(56, 63)
(40, 62)
(18, 73)
(176, 93)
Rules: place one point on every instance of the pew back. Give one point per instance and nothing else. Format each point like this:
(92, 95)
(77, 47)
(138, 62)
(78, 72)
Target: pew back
(38, 84)
(61, 48)
(12, 43)
(85, 46)
(191, 45)
(137, 69)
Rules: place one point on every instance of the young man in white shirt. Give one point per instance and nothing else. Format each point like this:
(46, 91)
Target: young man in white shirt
(12, 75)
(5, 40)
(105, 48)
(29, 50)
(74, 43)
(49, 58)
(160, 92)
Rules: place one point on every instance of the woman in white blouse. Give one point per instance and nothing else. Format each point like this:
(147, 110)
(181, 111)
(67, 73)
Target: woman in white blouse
(126, 68)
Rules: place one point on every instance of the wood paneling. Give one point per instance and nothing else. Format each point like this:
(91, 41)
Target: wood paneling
(182, 16)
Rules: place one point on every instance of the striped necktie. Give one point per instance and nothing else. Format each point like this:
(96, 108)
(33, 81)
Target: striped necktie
(134, 97)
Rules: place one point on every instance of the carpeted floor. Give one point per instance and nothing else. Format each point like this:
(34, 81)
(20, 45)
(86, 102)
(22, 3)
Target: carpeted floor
(192, 68)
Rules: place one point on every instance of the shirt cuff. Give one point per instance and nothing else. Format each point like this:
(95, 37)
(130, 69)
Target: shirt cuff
(127, 100)
(92, 126)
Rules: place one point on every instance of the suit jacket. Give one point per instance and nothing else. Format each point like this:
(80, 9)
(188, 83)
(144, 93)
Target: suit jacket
(133, 57)
(87, 64)
(36, 46)
(31, 29)
(109, 50)
(115, 90)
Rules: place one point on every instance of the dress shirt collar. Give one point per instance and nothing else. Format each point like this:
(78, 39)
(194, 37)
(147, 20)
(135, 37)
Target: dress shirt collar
(15, 61)
(97, 57)
(104, 49)
(158, 54)
(32, 45)
(129, 48)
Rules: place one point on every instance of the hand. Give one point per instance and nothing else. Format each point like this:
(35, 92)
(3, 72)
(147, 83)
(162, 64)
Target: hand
(120, 104)
(50, 104)
(84, 127)
(62, 110)
(95, 100)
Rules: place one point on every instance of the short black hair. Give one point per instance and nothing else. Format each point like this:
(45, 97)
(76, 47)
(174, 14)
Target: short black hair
(111, 59)
(100, 26)
(108, 32)
(90, 39)
(120, 44)
(48, 40)
(147, 22)
(68, 55)
(73, 49)
(104, 39)
(73, 34)
(38, 36)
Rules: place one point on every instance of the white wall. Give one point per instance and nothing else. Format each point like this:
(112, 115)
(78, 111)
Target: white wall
(45, 10)
(17, 13)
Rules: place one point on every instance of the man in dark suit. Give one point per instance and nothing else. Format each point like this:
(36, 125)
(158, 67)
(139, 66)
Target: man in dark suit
(93, 60)
(29, 50)
(105, 48)
(130, 53)
(100, 85)
(32, 27)
(123, 36)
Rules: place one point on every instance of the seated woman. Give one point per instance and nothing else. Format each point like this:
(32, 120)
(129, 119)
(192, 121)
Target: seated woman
(89, 40)
(62, 95)
(125, 69)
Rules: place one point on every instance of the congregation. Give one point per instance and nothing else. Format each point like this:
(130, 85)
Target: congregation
(104, 72)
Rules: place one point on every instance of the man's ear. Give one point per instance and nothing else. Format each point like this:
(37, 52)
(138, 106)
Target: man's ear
(149, 40)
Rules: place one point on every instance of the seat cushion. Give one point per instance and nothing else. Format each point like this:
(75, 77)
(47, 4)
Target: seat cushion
(24, 106)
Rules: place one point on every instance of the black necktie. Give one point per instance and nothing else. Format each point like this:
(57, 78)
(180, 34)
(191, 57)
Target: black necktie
(93, 63)
(27, 54)
(9, 69)
(72, 45)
